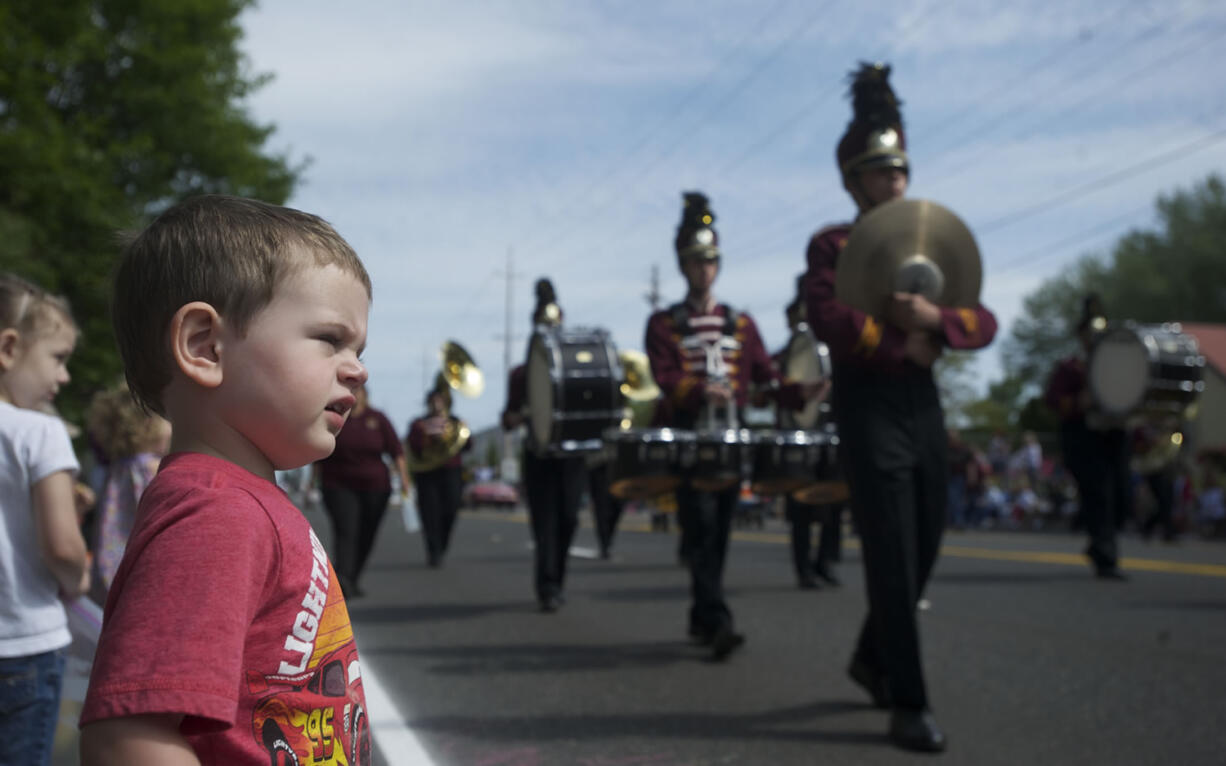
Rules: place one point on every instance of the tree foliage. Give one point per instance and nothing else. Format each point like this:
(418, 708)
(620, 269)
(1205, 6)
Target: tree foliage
(1173, 274)
(111, 110)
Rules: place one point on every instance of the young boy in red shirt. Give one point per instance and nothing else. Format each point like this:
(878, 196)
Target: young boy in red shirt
(226, 639)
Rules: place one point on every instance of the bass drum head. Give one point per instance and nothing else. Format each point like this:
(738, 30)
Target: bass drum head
(540, 389)
(808, 361)
(1118, 373)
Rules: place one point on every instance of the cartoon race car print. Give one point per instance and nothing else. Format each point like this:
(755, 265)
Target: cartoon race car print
(314, 718)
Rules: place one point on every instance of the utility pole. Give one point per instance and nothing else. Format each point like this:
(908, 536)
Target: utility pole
(653, 295)
(508, 467)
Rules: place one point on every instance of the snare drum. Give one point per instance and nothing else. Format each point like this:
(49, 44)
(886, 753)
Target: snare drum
(572, 386)
(827, 483)
(644, 462)
(1146, 371)
(784, 461)
(714, 460)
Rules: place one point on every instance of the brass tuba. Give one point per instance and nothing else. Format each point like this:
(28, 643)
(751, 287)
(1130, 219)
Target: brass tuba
(638, 388)
(461, 373)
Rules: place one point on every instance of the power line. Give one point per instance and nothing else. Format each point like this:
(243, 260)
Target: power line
(647, 136)
(1054, 248)
(1106, 181)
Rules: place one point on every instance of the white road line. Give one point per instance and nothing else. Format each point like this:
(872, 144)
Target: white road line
(393, 737)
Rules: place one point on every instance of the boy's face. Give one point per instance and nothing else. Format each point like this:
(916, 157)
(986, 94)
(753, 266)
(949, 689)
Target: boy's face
(880, 185)
(288, 384)
(35, 365)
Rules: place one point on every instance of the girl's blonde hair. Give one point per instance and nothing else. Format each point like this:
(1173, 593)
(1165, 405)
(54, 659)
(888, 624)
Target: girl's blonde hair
(119, 425)
(28, 308)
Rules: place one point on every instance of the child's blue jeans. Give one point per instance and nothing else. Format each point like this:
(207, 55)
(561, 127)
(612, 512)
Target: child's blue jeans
(29, 707)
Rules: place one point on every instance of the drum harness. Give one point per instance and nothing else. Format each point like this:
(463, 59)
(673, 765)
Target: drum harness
(716, 367)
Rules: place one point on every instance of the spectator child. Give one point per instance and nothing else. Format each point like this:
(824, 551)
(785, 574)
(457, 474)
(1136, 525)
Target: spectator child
(43, 555)
(242, 323)
(133, 441)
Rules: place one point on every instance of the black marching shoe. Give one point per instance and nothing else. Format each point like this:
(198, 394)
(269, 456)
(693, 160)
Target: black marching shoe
(871, 681)
(807, 582)
(724, 641)
(916, 730)
(1110, 573)
(551, 603)
(826, 574)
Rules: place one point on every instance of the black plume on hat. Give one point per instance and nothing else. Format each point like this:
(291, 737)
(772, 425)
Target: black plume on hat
(696, 218)
(545, 293)
(873, 103)
(1091, 309)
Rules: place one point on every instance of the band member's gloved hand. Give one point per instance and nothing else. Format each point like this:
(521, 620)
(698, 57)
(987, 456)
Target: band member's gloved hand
(922, 348)
(912, 311)
(718, 393)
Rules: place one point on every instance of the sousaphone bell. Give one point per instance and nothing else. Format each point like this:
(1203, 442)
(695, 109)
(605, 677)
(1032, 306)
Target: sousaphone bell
(461, 373)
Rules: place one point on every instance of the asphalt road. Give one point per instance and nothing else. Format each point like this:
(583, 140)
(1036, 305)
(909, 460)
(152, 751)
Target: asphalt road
(1029, 659)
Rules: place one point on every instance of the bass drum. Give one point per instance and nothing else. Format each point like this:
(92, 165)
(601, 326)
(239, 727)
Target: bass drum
(572, 388)
(808, 361)
(644, 462)
(1148, 372)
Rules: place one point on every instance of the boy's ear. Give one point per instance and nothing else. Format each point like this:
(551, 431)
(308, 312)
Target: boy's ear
(10, 341)
(195, 343)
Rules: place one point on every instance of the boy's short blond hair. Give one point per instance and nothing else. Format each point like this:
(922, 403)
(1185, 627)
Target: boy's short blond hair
(229, 252)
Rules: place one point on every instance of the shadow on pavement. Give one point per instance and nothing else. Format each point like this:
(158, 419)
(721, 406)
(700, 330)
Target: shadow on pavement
(547, 658)
(428, 612)
(789, 724)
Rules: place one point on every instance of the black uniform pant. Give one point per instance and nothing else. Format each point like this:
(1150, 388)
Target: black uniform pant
(606, 509)
(438, 503)
(1098, 460)
(893, 445)
(554, 487)
(1162, 486)
(802, 517)
(706, 522)
(355, 515)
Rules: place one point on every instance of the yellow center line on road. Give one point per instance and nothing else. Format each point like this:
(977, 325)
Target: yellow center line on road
(991, 554)
(1032, 557)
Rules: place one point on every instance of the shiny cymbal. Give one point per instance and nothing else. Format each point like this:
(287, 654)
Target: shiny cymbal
(911, 246)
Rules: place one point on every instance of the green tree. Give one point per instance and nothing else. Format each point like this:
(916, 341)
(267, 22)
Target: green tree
(111, 110)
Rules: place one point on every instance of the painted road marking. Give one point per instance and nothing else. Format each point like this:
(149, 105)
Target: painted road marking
(969, 552)
(392, 735)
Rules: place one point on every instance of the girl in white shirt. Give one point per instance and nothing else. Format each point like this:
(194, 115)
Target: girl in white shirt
(43, 555)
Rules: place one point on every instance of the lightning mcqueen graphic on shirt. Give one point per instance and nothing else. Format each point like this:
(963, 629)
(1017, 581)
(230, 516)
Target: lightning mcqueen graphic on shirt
(312, 718)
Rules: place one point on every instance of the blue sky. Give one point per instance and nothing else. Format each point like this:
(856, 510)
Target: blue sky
(443, 135)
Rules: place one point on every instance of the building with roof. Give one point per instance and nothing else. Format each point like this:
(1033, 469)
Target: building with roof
(1208, 431)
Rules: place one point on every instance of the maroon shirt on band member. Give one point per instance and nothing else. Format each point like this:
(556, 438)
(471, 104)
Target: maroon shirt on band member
(357, 462)
(1064, 388)
(681, 372)
(857, 338)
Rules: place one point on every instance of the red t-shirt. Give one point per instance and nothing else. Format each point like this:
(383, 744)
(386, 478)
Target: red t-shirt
(226, 609)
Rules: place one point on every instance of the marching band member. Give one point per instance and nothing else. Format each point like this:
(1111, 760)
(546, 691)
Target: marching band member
(438, 486)
(891, 426)
(1096, 453)
(553, 482)
(802, 516)
(682, 343)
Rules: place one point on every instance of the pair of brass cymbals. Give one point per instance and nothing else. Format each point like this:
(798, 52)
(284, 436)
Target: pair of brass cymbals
(909, 246)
